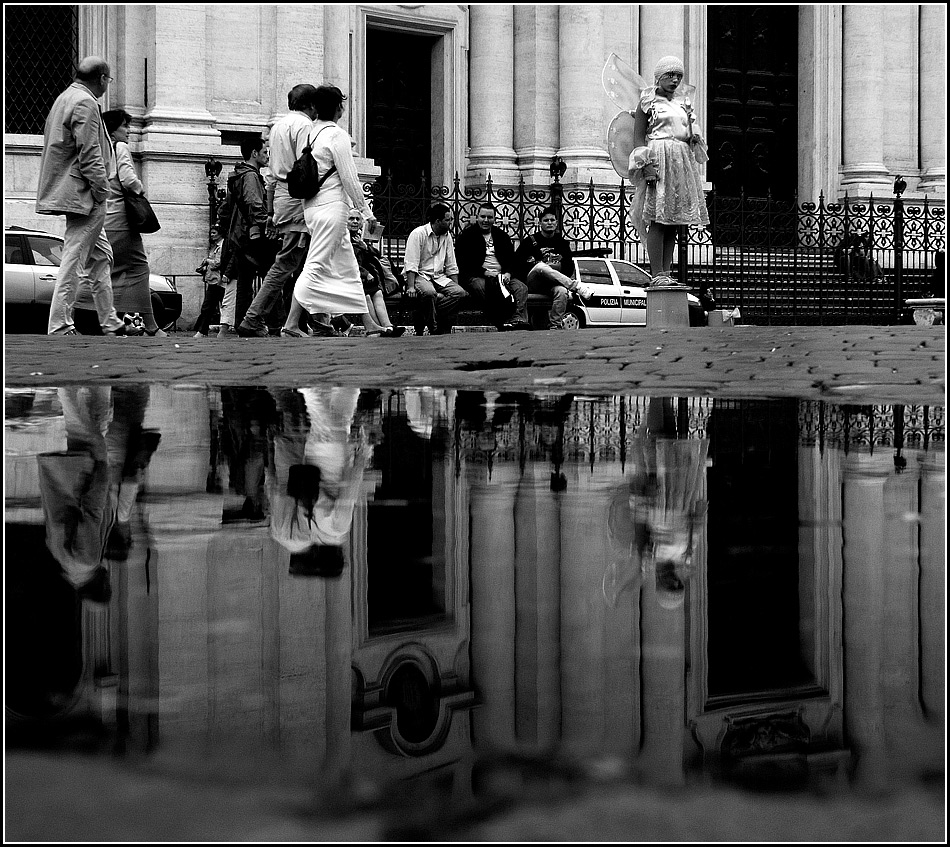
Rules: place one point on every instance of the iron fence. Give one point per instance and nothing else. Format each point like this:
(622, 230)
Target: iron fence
(779, 261)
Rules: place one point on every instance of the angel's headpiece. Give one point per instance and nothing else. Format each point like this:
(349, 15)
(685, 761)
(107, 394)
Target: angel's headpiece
(668, 65)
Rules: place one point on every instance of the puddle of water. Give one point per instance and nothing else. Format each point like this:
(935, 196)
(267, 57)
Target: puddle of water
(478, 598)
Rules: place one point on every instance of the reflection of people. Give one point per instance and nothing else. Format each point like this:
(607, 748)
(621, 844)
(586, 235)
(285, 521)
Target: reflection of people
(432, 274)
(546, 262)
(653, 532)
(664, 171)
(247, 413)
(75, 168)
(329, 283)
(315, 477)
(130, 290)
(486, 259)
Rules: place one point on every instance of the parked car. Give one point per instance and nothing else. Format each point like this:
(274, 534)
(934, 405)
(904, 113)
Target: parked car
(619, 297)
(30, 265)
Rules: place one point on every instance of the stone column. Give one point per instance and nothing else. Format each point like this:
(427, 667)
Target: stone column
(933, 99)
(900, 120)
(863, 600)
(491, 105)
(299, 50)
(177, 118)
(583, 102)
(493, 602)
(662, 33)
(865, 101)
(336, 55)
(535, 90)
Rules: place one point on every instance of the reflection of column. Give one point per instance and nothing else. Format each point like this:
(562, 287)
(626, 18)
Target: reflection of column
(537, 587)
(535, 119)
(863, 598)
(863, 143)
(339, 656)
(585, 685)
(493, 603)
(899, 681)
(582, 101)
(933, 586)
(491, 105)
(933, 98)
(663, 695)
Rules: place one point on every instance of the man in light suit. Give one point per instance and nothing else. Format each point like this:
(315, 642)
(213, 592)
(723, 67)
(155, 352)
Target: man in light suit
(75, 168)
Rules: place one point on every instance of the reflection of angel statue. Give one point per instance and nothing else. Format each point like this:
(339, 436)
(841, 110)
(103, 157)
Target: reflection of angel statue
(315, 478)
(655, 142)
(653, 521)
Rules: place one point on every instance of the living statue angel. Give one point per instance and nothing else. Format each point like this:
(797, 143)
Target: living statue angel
(655, 142)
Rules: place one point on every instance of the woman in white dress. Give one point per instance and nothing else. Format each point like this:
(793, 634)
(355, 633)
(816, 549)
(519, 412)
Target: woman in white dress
(664, 168)
(330, 281)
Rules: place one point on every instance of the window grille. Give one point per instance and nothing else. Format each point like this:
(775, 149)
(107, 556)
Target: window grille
(42, 44)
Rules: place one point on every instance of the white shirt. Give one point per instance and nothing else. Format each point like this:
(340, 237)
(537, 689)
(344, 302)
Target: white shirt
(333, 147)
(430, 255)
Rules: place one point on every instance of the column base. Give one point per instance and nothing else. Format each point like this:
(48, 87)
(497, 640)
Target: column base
(933, 181)
(497, 161)
(866, 176)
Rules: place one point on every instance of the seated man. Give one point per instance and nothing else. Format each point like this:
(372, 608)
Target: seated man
(545, 261)
(486, 259)
(432, 274)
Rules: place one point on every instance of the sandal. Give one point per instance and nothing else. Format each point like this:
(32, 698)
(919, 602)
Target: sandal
(292, 333)
(157, 332)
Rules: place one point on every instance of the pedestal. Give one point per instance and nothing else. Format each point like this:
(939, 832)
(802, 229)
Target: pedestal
(667, 308)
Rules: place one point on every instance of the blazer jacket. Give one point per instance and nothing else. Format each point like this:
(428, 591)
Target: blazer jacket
(77, 160)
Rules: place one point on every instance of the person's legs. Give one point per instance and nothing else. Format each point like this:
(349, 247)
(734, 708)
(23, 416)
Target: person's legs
(293, 252)
(520, 292)
(98, 273)
(449, 299)
(656, 242)
(82, 232)
(244, 290)
(227, 308)
(543, 279)
(209, 306)
(559, 301)
(377, 307)
(669, 244)
(425, 308)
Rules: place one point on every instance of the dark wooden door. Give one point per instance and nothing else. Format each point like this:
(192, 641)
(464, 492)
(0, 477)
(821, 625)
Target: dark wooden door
(399, 105)
(753, 108)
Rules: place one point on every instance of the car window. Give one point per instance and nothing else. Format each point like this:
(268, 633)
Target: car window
(46, 251)
(594, 272)
(12, 250)
(631, 275)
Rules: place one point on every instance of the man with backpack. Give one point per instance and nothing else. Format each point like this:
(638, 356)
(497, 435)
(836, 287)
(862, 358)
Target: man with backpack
(243, 220)
(285, 217)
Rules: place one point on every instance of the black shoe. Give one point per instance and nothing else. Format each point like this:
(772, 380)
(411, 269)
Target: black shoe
(246, 331)
(115, 333)
(323, 330)
(518, 326)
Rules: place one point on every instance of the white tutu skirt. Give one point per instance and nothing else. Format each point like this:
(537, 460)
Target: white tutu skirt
(676, 198)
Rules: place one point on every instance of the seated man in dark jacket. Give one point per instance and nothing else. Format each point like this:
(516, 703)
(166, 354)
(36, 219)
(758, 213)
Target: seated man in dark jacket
(546, 262)
(486, 259)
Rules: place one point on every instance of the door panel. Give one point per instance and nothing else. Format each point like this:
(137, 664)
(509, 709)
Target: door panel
(606, 306)
(633, 281)
(17, 272)
(46, 254)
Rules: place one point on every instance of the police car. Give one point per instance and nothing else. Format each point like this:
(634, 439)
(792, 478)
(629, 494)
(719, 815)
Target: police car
(30, 265)
(619, 297)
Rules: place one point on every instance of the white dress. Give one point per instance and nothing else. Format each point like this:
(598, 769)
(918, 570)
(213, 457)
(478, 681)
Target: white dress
(676, 198)
(330, 280)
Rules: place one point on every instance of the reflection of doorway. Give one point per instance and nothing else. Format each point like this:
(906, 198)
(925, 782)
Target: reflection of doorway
(753, 100)
(754, 620)
(399, 104)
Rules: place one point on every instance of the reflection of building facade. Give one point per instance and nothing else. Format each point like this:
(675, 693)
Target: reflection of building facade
(208, 637)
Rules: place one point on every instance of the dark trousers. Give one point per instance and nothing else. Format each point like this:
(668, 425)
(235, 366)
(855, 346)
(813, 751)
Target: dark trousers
(497, 309)
(210, 309)
(277, 287)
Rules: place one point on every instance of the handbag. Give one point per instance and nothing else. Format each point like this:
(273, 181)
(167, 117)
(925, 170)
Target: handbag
(139, 213)
(304, 180)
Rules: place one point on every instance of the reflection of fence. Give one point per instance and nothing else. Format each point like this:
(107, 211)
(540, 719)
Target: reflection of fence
(774, 259)
(601, 429)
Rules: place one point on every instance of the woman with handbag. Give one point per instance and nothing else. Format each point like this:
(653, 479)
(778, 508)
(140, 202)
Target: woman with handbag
(130, 270)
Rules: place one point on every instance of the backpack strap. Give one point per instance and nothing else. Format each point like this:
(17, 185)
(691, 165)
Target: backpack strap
(309, 148)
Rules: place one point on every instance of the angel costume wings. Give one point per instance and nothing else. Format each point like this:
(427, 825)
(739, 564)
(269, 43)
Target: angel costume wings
(626, 88)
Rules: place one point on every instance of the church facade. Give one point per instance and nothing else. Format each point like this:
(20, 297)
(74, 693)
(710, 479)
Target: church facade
(795, 100)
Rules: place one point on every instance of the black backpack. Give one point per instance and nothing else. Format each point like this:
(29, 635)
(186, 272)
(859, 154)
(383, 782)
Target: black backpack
(304, 179)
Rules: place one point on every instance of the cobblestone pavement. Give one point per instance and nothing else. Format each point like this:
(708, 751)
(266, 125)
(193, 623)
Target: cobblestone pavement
(846, 364)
